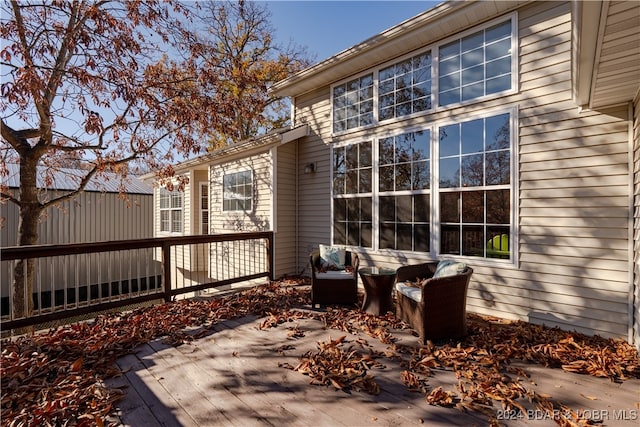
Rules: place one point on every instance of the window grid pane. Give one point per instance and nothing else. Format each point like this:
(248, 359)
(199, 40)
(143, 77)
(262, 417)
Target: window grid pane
(352, 210)
(403, 223)
(237, 191)
(353, 104)
(472, 210)
(476, 65)
(404, 162)
(405, 87)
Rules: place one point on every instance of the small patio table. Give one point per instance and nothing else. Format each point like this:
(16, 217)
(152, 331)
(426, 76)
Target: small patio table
(378, 284)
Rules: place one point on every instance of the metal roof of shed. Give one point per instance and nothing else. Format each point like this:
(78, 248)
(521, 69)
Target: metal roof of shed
(65, 179)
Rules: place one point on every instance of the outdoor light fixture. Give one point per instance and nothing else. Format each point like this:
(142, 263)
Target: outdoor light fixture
(310, 168)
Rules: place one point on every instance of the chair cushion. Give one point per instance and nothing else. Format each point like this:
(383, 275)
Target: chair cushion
(332, 256)
(449, 267)
(410, 291)
(333, 275)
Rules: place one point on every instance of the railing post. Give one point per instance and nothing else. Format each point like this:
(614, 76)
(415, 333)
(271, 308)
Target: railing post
(270, 258)
(166, 270)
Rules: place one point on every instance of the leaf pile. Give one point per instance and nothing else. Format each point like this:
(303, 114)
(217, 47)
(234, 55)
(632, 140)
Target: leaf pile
(56, 377)
(555, 348)
(486, 380)
(344, 369)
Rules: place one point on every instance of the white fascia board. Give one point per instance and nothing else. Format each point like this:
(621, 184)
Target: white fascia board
(587, 17)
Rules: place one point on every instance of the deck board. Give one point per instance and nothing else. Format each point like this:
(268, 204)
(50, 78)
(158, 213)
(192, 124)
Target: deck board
(232, 376)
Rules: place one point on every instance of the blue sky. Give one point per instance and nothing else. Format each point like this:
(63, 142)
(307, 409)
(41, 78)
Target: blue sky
(329, 27)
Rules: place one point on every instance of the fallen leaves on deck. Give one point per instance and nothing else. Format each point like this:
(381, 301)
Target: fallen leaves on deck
(344, 369)
(56, 377)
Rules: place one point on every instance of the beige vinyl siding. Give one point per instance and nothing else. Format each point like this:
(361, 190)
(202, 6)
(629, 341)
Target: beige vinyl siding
(636, 221)
(285, 210)
(259, 218)
(572, 191)
(229, 262)
(621, 36)
(573, 196)
(314, 193)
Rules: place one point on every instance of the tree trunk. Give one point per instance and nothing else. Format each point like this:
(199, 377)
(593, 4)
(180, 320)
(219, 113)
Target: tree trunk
(30, 211)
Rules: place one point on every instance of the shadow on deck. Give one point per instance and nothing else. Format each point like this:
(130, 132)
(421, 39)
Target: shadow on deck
(236, 374)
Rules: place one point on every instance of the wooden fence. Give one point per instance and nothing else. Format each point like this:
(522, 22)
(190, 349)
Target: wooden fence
(83, 278)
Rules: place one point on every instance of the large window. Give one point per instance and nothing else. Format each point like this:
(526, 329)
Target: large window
(171, 211)
(237, 191)
(352, 195)
(465, 69)
(353, 104)
(404, 177)
(476, 65)
(462, 205)
(475, 191)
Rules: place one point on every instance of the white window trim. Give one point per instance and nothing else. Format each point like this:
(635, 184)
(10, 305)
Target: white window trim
(513, 186)
(235, 211)
(434, 190)
(171, 209)
(435, 61)
(201, 210)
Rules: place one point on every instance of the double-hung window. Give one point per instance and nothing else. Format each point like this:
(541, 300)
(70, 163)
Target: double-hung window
(237, 191)
(171, 211)
(475, 186)
(352, 195)
(404, 177)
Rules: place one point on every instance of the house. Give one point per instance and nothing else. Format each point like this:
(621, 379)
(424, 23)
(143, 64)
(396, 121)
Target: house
(247, 187)
(99, 213)
(502, 134)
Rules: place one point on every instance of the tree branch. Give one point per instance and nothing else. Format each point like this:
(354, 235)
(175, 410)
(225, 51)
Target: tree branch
(18, 138)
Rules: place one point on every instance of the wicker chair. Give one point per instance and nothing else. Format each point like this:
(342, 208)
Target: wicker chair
(334, 287)
(437, 308)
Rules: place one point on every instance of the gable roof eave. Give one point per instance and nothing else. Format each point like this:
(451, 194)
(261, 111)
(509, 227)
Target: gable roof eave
(423, 29)
(246, 147)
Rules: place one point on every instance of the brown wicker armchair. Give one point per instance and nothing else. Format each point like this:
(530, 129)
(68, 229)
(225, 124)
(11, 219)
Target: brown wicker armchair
(334, 287)
(437, 308)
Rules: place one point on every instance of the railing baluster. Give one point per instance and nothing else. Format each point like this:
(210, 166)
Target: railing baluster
(228, 258)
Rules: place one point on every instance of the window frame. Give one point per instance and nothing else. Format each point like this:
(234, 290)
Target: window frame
(513, 185)
(204, 196)
(171, 210)
(251, 191)
(434, 50)
(434, 189)
(353, 195)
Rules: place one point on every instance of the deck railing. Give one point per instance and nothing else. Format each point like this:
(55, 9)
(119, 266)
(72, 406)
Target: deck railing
(83, 278)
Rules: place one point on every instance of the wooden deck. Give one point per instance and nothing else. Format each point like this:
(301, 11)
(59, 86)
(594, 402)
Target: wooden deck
(233, 376)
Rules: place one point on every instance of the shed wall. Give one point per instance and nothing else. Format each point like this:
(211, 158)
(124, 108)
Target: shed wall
(90, 217)
(573, 191)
